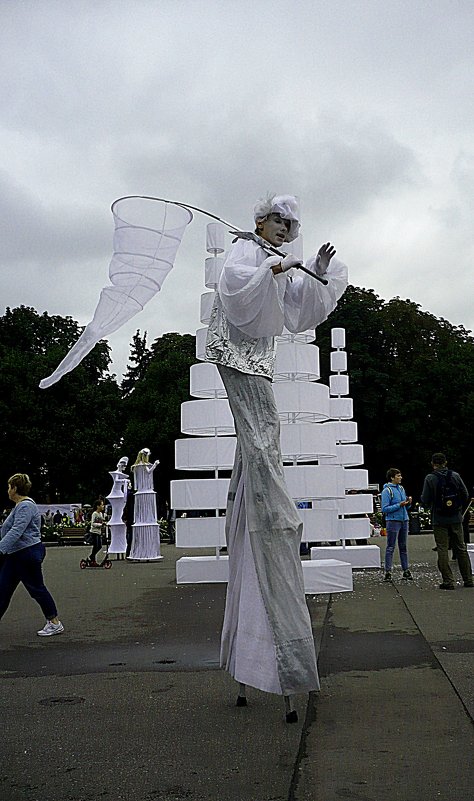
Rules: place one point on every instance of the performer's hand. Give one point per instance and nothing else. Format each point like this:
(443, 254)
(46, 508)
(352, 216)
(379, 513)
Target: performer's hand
(289, 262)
(325, 254)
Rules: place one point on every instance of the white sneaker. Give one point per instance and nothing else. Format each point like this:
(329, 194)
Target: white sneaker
(51, 628)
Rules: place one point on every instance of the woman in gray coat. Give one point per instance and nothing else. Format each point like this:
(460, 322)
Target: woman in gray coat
(22, 554)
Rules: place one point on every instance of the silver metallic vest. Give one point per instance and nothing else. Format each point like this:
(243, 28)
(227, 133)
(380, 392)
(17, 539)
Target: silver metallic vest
(227, 345)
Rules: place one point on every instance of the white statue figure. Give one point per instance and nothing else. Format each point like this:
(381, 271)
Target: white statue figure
(117, 498)
(146, 529)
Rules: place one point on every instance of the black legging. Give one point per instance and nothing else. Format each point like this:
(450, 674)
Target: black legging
(96, 546)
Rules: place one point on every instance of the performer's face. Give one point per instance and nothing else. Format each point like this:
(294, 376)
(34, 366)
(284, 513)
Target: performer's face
(274, 229)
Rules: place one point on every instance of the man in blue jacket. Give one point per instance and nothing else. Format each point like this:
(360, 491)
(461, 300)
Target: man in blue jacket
(395, 506)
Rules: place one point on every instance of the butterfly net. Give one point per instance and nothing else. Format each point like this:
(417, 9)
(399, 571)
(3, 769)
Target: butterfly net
(148, 232)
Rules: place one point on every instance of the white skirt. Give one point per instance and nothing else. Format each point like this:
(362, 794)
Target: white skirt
(267, 639)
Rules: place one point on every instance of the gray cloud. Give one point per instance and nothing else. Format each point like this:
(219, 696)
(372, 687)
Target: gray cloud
(367, 116)
(33, 231)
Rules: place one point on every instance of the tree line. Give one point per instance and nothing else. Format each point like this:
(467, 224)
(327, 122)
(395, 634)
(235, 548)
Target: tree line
(411, 378)
(410, 373)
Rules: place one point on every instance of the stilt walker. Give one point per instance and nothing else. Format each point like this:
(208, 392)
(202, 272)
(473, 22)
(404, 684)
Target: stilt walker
(267, 639)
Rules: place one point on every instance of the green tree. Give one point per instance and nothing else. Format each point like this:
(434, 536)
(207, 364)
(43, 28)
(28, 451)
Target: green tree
(411, 380)
(65, 437)
(139, 359)
(152, 408)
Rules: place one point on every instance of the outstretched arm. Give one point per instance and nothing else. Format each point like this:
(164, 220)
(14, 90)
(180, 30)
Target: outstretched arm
(308, 302)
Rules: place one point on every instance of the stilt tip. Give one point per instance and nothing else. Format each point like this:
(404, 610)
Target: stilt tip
(241, 700)
(292, 717)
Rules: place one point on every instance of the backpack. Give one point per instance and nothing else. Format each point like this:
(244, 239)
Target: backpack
(448, 497)
(384, 520)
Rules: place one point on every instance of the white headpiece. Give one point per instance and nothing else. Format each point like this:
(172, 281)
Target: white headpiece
(286, 206)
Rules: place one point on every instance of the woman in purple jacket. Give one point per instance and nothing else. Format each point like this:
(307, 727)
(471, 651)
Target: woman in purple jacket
(22, 553)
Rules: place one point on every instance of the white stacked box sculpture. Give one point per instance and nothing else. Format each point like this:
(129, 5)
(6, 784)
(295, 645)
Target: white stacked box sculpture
(307, 437)
(349, 456)
(210, 447)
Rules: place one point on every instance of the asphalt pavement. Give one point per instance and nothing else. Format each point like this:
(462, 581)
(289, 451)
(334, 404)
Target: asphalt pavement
(129, 703)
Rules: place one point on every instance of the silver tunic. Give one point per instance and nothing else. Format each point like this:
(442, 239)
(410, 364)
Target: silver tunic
(229, 346)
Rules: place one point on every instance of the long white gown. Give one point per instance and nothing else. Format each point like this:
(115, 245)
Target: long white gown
(117, 498)
(267, 638)
(146, 529)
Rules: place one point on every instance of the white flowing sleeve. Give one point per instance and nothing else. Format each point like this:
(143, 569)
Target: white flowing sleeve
(307, 302)
(252, 296)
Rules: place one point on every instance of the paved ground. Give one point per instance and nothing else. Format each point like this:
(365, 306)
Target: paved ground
(129, 702)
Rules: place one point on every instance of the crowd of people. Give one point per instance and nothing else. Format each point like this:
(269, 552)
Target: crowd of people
(444, 493)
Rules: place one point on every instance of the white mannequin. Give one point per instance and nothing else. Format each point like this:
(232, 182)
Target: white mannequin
(117, 498)
(146, 529)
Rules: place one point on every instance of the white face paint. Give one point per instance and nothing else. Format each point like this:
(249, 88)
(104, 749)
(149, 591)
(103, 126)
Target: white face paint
(274, 229)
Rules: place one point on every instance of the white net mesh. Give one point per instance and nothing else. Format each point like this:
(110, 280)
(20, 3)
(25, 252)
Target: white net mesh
(148, 232)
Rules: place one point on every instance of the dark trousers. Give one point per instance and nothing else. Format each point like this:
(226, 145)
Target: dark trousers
(96, 545)
(454, 533)
(129, 537)
(25, 566)
(397, 530)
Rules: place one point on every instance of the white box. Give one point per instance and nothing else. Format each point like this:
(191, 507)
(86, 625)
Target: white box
(357, 555)
(202, 569)
(200, 532)
(470, 550)
(326, 575)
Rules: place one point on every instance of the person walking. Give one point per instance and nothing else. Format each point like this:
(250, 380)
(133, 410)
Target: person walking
(395, 505)
(446, 495)
(98, 521)
(22, 554)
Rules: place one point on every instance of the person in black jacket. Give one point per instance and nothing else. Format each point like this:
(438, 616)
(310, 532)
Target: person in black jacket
(447, 519)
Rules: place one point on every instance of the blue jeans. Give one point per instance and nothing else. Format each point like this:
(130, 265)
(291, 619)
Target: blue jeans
(396, 529)
(25, 566)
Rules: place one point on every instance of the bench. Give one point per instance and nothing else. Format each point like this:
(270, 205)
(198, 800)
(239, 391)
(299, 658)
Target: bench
(71, 535)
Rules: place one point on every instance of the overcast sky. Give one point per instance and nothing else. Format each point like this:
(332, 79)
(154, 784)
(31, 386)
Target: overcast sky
(362, 108)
